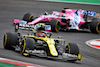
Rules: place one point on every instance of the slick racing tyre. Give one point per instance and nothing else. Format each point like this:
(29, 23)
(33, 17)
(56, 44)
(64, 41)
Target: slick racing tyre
(10, 39)
(28, 17)
(72, 48)
(55, 25)
(95, 25)
(28, 43)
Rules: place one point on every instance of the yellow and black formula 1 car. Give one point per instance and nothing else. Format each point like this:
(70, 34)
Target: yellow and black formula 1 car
(41, 44)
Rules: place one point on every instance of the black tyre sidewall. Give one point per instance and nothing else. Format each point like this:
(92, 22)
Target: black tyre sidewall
(27, 17)
(94, 25)
(27, 43)
(30, 43)
(54, 23)
(11, 39)
(73, 48)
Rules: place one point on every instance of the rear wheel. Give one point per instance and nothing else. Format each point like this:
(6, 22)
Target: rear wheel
(10, 39)
(55, 25)
(28, 17)
(27, 44)
(95, 25)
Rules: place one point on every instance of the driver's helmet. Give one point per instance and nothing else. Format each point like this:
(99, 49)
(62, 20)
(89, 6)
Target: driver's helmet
(42, 28)
(39, 28)
(41, 34)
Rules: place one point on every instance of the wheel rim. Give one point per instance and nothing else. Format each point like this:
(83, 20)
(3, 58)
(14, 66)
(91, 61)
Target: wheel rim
(57, 27)
(98, 27)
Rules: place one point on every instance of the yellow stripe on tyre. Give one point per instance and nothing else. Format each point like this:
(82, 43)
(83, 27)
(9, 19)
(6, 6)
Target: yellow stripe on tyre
(5, 40)
(30, 17)
(68, 48)
(24, 46)
(97, 28)
(56, 26)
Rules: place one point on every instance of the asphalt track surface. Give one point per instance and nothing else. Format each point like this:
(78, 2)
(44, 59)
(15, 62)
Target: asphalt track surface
(10, 9)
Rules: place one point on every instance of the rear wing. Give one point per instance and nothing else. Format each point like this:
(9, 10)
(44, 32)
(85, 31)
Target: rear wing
(23, 27)
(89, 15)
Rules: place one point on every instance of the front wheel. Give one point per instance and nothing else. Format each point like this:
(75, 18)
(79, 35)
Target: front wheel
(28, 17)
(27, 44)
(95, 26)
(55, 25)
(73, 49)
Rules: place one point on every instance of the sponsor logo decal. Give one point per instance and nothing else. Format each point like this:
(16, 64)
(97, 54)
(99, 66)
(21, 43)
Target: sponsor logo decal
(76, 20)
(90, 13)
(47, 28)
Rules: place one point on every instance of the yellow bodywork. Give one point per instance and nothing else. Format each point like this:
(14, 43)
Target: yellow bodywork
(79, 57)
(49, 41)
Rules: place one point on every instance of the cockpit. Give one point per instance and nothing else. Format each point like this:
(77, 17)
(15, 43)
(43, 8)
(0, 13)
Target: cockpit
(43, 34)
(58, 14)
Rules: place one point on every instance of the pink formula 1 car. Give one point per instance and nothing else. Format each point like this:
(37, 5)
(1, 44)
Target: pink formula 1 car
(68, 19)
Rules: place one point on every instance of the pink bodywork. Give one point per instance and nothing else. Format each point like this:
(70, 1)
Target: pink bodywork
(16, 21)
(75, 20)
(42, 18)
